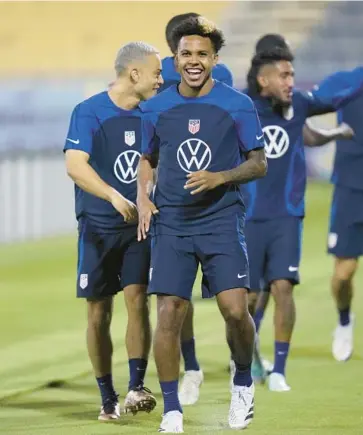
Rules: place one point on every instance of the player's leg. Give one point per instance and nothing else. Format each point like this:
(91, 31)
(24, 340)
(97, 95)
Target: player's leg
(97, 282)
(174, 267)
(193, 375)
(282, 272)
(260, 306)
(345, 242)
(225, 266)
(134, 278)
(256, 247)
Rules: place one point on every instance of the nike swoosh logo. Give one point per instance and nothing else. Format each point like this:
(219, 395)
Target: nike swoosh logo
(167, 394)
(293, 269)
(241, 276)
(259, 137)
(73, 141)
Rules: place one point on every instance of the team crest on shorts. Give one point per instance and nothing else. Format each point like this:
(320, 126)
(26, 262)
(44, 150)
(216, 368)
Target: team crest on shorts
(194, 125)
(130, 138)
(83, 280)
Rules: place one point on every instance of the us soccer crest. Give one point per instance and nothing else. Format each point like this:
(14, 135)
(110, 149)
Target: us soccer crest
(83, 280)
(194, 125)
(130, 138)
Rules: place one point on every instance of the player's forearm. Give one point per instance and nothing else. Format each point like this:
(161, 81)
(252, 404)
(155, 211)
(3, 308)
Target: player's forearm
(315, 137)
(145, 178)
(255, 167)
(88, 180)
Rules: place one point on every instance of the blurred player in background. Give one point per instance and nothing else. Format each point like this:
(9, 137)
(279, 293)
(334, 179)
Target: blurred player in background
(345, 239)
(312, 136)
(187, 130)
(102, 152)
(276, 203)
(193, 375)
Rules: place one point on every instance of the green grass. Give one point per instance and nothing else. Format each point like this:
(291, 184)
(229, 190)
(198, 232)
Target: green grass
(43, 339)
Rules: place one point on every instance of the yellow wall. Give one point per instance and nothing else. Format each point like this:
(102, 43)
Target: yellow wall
(68, 37)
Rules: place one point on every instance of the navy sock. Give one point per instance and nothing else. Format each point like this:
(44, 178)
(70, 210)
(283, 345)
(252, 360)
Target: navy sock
(105, 384)
(137, 367)
(189, 356)
(170, 395)
(344, 316)
(243, 376)
(258, 318)
(281, 354)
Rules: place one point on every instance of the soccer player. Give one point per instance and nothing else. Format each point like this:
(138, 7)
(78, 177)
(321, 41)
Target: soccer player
(102, 152)
(276, 203)
(193, 374)
(196, 132)
(312, 136)
(345, 241)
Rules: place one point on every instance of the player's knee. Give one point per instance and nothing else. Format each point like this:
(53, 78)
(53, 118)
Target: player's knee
(99, 314)
(136, 299)
(345, 268)
(282, 290)
(171, 313)
(235, 314)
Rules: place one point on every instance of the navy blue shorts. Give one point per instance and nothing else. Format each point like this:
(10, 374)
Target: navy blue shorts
(175, 261)
(107, 263)
(274, 250)
(345, 238)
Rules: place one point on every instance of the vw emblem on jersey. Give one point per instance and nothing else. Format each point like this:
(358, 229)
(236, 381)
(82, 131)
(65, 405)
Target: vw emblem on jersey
(277, 141)
(130, 138)
(194, 125)
(194, 155)
(125, 166)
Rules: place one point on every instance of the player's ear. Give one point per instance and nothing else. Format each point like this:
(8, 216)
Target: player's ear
(262, 80)
(215, 59)
(134, 75)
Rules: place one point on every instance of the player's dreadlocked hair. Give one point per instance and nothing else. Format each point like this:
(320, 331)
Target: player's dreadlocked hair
(262, 58)
(199, 26)
(174, 22)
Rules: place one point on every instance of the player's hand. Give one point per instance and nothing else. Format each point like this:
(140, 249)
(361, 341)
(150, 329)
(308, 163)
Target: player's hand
(146, 210)
(202, 181)
(346, 131)
(125, 207)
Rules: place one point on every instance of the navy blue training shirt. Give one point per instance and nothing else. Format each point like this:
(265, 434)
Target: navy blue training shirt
(211, 133)
(281, 193)
(112, 138)
(172, 77)
(348, 162)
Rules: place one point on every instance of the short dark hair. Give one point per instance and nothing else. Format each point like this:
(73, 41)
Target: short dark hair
(262, 58)
(174, 22)
(270, 41)
(199, 26)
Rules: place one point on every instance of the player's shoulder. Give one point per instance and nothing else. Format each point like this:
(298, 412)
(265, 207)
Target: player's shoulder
(236, 100)
(160, 102)
(222, 73)
(90, 104)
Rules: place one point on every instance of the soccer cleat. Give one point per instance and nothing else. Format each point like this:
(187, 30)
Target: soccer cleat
(172, 422)
(110, 410)
(241, 410)
(267, 365)
(190, 387)
(342, 347)
(277, 382)
(139, 399)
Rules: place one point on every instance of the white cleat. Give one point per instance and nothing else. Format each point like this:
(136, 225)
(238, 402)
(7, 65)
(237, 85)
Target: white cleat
(172, 422)
(241, 410)
(277, 382)
(190, 387)
(232, 371)
(343, 341)
(267, 365)
(110, 411)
